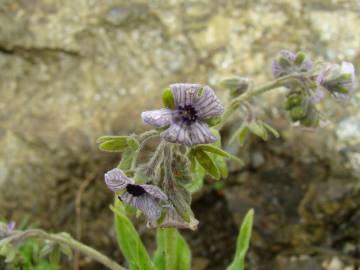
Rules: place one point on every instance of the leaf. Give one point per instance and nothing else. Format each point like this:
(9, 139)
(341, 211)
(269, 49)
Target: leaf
(168, 99)
(213, 121)
(206, 162)
(198, 178)
(241, 134)
(129, 240)
(213, 149)
(218, 160)
(111, 138)
(238, 160)
(243, 242)
(133, 144)
(117, 145)
(172, 251)
(258, 130)
(271, 129)
(126, 159)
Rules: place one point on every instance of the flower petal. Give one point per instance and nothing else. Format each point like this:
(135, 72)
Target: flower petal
(116, 180)
(184, 93)
(155, 192)
(195, 133)
(146, 203)
(199, 133)
(158, 118)
(277, 69)
(208, 104)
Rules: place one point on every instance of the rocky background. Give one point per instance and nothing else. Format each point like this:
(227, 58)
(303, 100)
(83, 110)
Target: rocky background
(73, 70)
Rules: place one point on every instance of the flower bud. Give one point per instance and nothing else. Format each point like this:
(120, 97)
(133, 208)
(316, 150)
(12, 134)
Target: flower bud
(236, 85)
(289, 62)
(338, 80)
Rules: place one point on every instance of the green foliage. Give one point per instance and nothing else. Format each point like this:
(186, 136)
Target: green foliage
(257, 127)
(129, 240)
(172, 251)
(28, 256)
(117, 143)
(168, 99)
(243, 242)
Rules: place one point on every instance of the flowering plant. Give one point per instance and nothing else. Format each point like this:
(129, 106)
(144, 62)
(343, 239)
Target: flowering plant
(189, 147)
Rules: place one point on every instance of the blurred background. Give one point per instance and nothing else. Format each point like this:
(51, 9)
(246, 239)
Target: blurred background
(72, 70)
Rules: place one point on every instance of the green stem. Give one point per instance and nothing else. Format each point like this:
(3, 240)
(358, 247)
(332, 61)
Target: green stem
(235, 103)
(76, 245)
(170, 245)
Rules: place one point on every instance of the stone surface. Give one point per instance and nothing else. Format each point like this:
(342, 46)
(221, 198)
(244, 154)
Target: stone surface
(73, 70)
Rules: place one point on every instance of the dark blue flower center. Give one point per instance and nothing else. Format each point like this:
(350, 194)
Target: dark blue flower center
(187, 113)
(135, 190)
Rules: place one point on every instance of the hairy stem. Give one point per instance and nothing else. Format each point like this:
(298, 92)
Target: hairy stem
(235, 103)
(76, 245)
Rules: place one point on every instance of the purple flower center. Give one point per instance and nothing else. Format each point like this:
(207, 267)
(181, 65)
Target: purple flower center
(135, 190)
(187, 113)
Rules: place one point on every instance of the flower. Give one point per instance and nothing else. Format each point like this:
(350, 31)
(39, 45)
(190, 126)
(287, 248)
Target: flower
(173, 220)
(338, 80)
(144, 197)
(6, 229)
(186, 120)
(289, 62)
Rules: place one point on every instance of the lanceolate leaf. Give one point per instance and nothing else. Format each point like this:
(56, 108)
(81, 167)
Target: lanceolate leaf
(129, 240)
(240, 134)
(258, 130)
(243, 242)
(111, 138)
(213, 149)
(206, 162)
(113, 145)
(172, 251)
(271, 129)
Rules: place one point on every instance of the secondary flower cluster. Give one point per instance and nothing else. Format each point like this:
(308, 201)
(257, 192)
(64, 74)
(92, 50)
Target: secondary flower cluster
(185, 121)
(311, 85)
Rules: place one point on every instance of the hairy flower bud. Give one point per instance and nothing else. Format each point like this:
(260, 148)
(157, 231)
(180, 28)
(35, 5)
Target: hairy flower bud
(289, 62)
(338, 80)
(236, 85)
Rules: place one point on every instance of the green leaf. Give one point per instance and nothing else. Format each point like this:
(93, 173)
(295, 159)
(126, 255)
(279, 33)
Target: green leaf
(258, 130)
(111, 138)
(168, 99)
(172, 251)
(213, 121)
(206, 162)
(133, 144)
(117, 145)
(271, 129)
(126, 159)
(213, 149)
(129, 240)
(299, 59)
(198, 179)
(219, 160)
(243, 242)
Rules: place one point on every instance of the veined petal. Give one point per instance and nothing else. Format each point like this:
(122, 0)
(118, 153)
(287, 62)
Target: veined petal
(158, 118)
(199, 133)
(208, 104)
(155, 192)
(184, 93)
(116, 180)
(195, 133)
(176, 133)
(146, 203)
